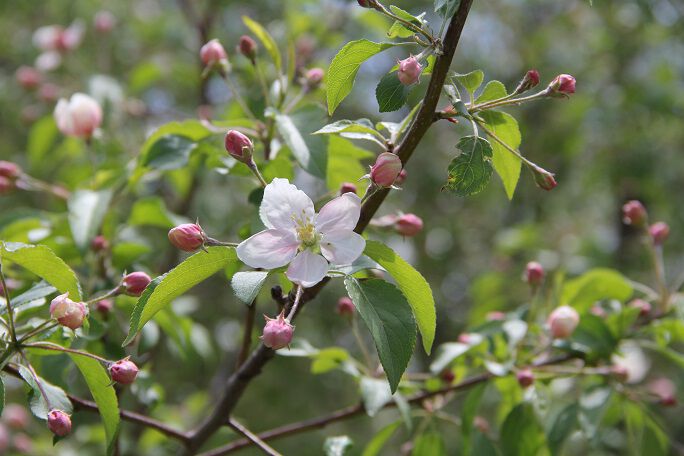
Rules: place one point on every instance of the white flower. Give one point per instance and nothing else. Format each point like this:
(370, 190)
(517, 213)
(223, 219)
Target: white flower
(296, 234)
(80, 116)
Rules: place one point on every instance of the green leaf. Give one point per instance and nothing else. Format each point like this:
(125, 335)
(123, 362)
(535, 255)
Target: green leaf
(506, 164)
(468, 412)
(564, 424)
(100, 386)
(521, 433)
(2, 395)
(398, 30)
(413, 285)
(152, 211)
(344, 163)
(429, 444)
(164, 289)
(38, 291)
(390, 321)
(593, 337)
(337, 446)
(391, 93)
(56, 395)
(169, 152)
(446, 8)
(266, 39)
(470, 81)
(492, 91)
(329, 359)
(41, 139)
(43, 262)
(348, 126)
(87, 208)
(247, 285)
(343, 68)
(310, 151)
(469, 173)
(595, 285)
(375, 394)
(380, 439)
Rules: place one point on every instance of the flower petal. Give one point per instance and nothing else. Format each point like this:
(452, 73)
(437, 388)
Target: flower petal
(307, 269)
(268, 249)
(282, 203)
(342, 246)
(341, 213)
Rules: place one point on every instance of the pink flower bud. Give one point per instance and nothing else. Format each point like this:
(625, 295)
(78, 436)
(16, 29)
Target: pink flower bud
(212, 53)
(563, 321)
(104, 306)
(6, 185)
(67, 312)
(104, 21)
(543, 178)
(664, 390)
(135, 283)
(447, 376)
(495, 315)
(28, 77)
(187, 237)
(530, 80)
(409, 225)
(277, 332)
(48, 92)
(248, 47)
(409, 70)
(79, 117)
(345, 307)
(99, 243)
(59, 422)
(634, 213)
(643, 306)
(15, 416)
(123, 371)
(314, 77)
(365, 3)
(386, 169)
(239, 146)
(401, 177)
(562, 85)
(534, 273)
(347, 187)
(464, 338)
(525, 377)
(659, 232)
(9, 170)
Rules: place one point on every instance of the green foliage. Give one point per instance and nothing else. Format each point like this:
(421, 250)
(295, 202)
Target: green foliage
(470, 81)
(522, 434)
(593, 338)
(429, 443)
(87, 209)
(446, 8)
(493, 90)
(391, 93)
(470, 171)
(399, 30)
(56, 396)
(564, 424)
(247, 285)
(267, 40)
(595, 285)
(506, 164)
(378, 441)
(310, 151)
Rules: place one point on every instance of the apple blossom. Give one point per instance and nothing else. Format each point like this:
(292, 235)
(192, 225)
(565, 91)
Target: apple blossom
(347, 187)
(295, 234)
(530, 80)
(543, 178)
(104, 21)
(79, 117)
(525, 377)
(562, 85)
(59, 422)
(248, 47)
(534, 273)
(643, 306)
(212, 53)
(9, 170)
(314, 77)
(104, 306)
(239, 146)
(28, 77)
(99, 243)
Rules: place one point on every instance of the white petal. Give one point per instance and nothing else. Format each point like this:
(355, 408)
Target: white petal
(268, 249)
(341, 213)
(342, 247)
(63, 117)
(282, 203)
(307, 269)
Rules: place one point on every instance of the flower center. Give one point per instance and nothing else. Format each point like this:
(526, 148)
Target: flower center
(306, 232)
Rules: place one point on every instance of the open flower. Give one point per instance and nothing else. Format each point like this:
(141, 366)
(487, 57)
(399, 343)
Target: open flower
(310, 242)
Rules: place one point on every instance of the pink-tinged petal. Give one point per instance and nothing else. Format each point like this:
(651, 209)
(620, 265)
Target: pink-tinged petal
(342, 246)
(307, 269)
(282, 204)
(268, 249)
(62, 117)
(341, 213)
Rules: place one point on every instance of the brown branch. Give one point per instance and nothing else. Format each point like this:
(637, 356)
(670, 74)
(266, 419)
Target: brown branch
(353, 410)
(252, 437)
(247, 334)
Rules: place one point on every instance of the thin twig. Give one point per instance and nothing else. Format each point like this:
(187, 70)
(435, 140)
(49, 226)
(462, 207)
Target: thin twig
(8, 305)
(247, 334)
(252, 437)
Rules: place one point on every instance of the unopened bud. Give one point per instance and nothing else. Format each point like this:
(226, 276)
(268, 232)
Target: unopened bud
(543, 178)
(345, 307)
(314, 77)
(409, 225)
(664, 390)
(659, 232)
(634, 213)
(248, 47)
(239, 146)
(563, 321)
(481, 424)
(401, 178)
(187, 237)
(123, 371)
(534, 273)
(104, 306)
(448, 376)
(79, 116)
(15, 416)
(464, 338)
(28, 77)
(562, 86)
(347, 187)
(67, 312)
(104, 21)
(212, 53)
(643, 306)
(99, 243)
(135, 283)
(409, 70)
(366, 3)
(9, 170)
(525, 377)
(530, 80)
(48, 92)
(59, 423)
(277, 332)
(386, 169)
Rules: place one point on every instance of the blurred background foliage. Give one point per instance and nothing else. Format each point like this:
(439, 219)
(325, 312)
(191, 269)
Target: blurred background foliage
(619, 137)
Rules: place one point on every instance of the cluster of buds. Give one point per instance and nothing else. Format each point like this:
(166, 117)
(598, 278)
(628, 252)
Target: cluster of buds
(68, 313)
(187, 237)
(79, 116)
(409, 70)
(562, 322)
(134, 284)
(213, 55)
(277, 332)
(9, 173)
(123, 371)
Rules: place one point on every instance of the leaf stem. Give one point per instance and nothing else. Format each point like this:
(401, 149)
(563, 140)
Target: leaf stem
(44, 326)
(255, 170)
(36, 379)
(10, 313)
(55, 347)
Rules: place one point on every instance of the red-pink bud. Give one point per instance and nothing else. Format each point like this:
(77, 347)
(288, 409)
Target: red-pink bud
(543, 178)
(534, 273)
(563, 85)
(401, 177)
(15, 416)
(9, 170)
(665, 390)
(212, 53)
(104, 306)
(239, 146)
(634, 213)
(525, 377)
(187, 237)
(48, 92)
(80, 116)
(447, 376)
(59, 422)
(345, 307)
(643, 306)
(28, 77)
(347, 187)
(386, 169)
(563, 321)
(495, 315)
(659, 232)
(104, 21)
(314, 77)
(409, 225)
(6, 185)
(99, 243)
(135, 283)
(123, 371)
(248, 47)
(277, 332)
(464, 338)
(530, 80)
(365, 3)
(409, 70)
(67, 312)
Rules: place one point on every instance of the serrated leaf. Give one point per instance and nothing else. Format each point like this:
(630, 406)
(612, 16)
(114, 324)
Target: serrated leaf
(344, 66)
(100, 386)
(310, 151)
(38, 291)
(247, 285)
(470, 81)
(266, 39)
(446, 8)
(164, 289)
(521, 433)
(337, 446)
(594, 285)
(389, 319)
(375, 394)
(398, 30)
(56, 395)
(87, 208)
(492, 91)
(469, 173)
(380, 439)
(414, 287)
(390, 93)
(506, 164)
(43, 262)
